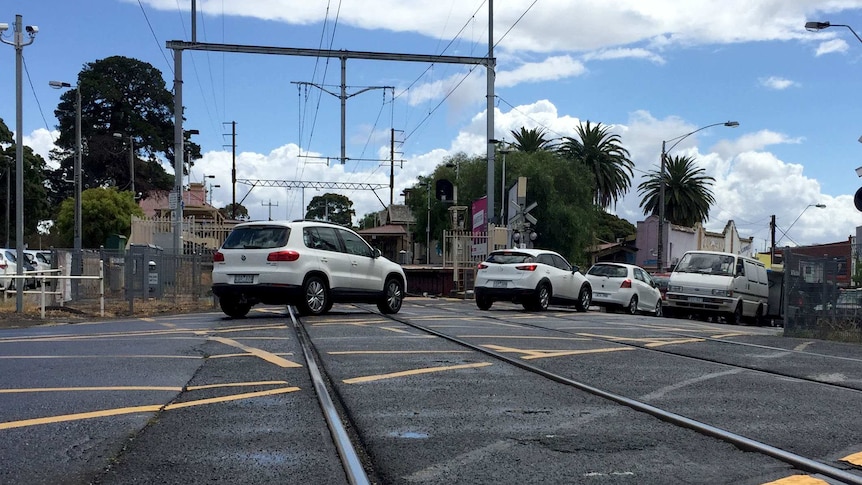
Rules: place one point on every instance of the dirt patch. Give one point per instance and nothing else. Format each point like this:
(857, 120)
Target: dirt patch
(90, 311)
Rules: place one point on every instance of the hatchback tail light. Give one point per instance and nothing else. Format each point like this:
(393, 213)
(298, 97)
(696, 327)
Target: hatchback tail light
(627, 283)
(527, 267)
(218, 257)
(482, 266)
(3, 265)
(283, 256)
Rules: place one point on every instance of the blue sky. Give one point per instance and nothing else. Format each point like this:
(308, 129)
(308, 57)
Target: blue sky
(653, 70)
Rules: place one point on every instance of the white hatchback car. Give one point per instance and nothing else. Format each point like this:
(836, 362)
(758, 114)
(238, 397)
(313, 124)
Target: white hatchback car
(627, 286)
(534, 278)
(309, 264)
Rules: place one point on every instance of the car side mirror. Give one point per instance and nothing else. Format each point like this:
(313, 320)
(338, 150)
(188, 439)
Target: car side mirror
(375, 253)
(575, 268)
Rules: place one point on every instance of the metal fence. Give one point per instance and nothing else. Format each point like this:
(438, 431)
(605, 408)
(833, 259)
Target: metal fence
(819, 298)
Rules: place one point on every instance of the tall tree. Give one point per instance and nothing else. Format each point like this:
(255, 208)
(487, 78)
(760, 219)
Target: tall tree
(36, 205)
(123, 96)
(688, 196)
(105, 211)
(240, 213)
(602, 153)
(331, 207)
(532, 140)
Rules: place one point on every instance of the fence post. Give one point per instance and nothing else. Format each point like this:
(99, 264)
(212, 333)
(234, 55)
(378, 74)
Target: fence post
(102, 287)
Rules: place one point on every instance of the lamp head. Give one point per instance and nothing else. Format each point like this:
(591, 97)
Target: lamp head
(820, 206)
(731, 124)
(59, 84)
(815, 26)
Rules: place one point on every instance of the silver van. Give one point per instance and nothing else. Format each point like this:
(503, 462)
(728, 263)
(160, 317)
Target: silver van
(709, 283)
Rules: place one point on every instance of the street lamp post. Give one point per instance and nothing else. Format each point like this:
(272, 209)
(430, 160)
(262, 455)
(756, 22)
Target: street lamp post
(784, 233)
(661, 201)
(428, 223)
(18, 43)
(815, 26)
(77, 244)
(503, 200)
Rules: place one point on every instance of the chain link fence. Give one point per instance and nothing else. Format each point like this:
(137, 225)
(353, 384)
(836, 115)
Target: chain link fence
(819, 299)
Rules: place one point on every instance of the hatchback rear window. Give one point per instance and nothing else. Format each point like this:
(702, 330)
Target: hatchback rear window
(257, 237)
(609, 270)
(509, 258)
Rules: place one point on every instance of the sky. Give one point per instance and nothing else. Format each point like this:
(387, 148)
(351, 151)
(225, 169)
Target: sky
(652, 70)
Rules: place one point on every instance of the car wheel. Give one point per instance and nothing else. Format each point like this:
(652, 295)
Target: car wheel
(233, 308)
(735, 317)
(658, 310)
(483, 302)
(542, 297)
(315, 297)
(393, 295)
(585, 297)
(633, 306)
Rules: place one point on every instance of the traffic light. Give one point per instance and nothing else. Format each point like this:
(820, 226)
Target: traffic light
(857, 199)
(445, 190)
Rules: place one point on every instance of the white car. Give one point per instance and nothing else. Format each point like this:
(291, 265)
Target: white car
(309, 264)
(619, 285)
(40, 262)
(534, 278)
(9, 267)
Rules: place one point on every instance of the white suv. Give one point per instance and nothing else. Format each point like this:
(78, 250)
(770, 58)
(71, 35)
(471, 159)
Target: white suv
(309, 264)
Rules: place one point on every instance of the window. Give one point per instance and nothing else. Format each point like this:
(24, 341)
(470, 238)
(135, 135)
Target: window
(257, 237)
(561, 263)
(324, 238)
(354, 244)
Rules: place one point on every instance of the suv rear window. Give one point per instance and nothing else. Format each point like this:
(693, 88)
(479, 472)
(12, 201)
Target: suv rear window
(509, 258)
(257, 237)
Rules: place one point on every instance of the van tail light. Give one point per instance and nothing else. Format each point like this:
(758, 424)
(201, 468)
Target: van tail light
(283, 256)
(627, 283)
(218, 257)
(482, 266)
(527, 267)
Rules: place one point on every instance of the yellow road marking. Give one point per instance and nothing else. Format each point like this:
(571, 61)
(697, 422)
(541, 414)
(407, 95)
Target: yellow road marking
(12, 357)
(235, 384)
(223, 356)
(802, 346)
(855, 459)
(798, 480)
(263, 354)
(356, 380)
(359, 352)
(528, 354)
(538, 337)
(671, 342)
(647, 341)
(140, 388)
(396, 330)
(140, 409)
(357, 323)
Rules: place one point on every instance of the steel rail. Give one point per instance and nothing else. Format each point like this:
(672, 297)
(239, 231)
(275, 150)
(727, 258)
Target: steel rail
(349, 459)
(798, 461)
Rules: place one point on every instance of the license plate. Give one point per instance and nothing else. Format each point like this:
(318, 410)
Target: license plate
(602, 295)
(695, 299)
(243, 279)
(499, 283)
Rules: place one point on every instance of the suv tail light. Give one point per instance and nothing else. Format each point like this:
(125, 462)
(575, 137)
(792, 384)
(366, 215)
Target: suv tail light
(627, 283)
(218, 257)
(527, 267)
(283, 256)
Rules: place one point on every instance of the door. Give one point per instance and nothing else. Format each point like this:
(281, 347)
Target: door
(365, 273)
(330, 256)
(648, 295)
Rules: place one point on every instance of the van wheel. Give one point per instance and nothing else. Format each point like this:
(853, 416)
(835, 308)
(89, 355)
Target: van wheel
(758, 317)
(735, 317)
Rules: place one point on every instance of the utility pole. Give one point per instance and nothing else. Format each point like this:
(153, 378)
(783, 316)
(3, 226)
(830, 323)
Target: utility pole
(270, 205)
(392, 166)
(772, 244)
(233, 169)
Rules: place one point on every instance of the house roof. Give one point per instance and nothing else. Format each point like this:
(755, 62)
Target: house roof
(387, 230)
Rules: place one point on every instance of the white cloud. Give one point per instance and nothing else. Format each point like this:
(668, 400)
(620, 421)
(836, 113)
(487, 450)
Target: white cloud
(552, 68)
(830, 46)
(778, 83)
(42, 142)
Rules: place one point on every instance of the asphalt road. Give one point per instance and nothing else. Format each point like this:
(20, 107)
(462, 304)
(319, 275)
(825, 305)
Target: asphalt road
(204, 399)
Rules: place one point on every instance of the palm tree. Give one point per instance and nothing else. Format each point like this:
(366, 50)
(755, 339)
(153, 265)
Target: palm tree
(532, 140)
(602, 153)
(687, 192)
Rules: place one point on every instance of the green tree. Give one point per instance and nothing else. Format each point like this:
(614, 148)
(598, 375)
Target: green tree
(532, 140)
(603, 154)
(240, 213)
(36, 205)
(104, 211)
(688, 196)
(125, 96)
(331, 207)
(611, 228)
(368, 221)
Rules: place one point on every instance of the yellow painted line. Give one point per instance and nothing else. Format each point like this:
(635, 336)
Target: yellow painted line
(12, 357)
(798, 480)
(236, 384)
(529, 354)
(537, 337)
(139, 409)
(647, 341)
(262, 338)
(855, 459)
(267, 356)
(731, 334)
(396, 330)
(671, 342)
(245, 354)
(802, 346)
(357, 380)
(356, 323)
(360, 352)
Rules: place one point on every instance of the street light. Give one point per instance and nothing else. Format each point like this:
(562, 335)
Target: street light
(784, 233)
(816, 26)
(77, 259)
(503, 201)
(661, 208)
(427, 185)
(18, 43)
(179, 161)
(131, 161)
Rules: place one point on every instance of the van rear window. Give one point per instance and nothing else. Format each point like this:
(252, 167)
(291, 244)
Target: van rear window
(257, 237)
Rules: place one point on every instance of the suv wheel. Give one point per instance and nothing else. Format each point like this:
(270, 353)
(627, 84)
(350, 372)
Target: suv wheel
(315, 297)
(585, 297)
(483, 302)
(393, 295)
(233, 308)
